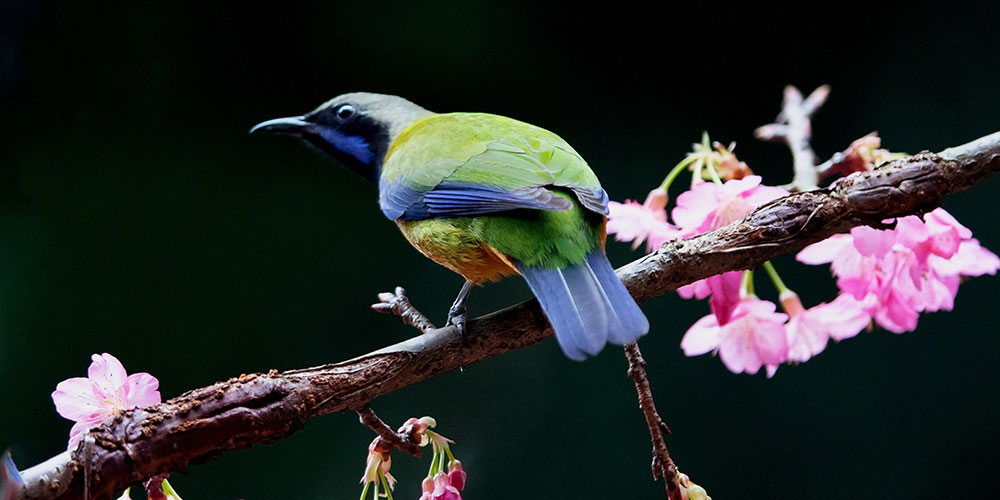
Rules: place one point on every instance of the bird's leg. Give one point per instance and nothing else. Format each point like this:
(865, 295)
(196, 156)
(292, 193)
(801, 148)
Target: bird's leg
(456, 315)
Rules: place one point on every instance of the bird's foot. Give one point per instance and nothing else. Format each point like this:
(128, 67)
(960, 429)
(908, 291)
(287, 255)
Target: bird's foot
(398, 304)
(457, 316)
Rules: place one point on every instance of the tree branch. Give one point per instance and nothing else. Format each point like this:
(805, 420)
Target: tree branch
(260, 408)
(663, 466)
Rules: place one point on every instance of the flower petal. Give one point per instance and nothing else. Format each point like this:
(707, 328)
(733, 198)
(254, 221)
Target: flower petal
(109, 376)
(698, 290)
(725, 290)
(75, 400)
(76, 434)
(825, 251)
(702, 337)
(873, 242)
(844, 318)
(142, 390)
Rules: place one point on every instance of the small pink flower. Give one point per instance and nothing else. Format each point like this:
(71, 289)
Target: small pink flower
(809, 330)
(106, 391)
(709, 206)
(633, 222)
(378, 463)
(656, 200)
(753, 337)
(724, 290)
(417, 427)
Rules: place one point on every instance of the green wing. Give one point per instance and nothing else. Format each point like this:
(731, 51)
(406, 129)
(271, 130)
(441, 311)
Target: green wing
(459, 164)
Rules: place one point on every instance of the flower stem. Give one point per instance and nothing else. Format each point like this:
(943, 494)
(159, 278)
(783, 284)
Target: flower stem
(676, 171)
(434, 463)
(696, 170)
(713, 172)
(747, 284)
(365, 490)
(385, 484)
(773, 274)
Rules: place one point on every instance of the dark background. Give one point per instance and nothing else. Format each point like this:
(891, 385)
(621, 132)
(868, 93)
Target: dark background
(137, 217)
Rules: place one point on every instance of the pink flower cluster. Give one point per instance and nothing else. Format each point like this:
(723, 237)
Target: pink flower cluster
(705, 207)
(106, 391)
(893, 275)
(446, 478)
(889, 276)
(444, 486)
(757, 335)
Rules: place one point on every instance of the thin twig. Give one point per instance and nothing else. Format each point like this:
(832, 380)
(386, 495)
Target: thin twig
(794, 128)
(663, 465)
(397, 303)
(262, 408)
(401, 441)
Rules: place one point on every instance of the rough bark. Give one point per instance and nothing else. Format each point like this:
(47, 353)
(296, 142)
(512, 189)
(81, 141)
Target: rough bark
(259, 408)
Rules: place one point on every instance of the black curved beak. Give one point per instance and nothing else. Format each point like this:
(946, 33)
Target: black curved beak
(293, 125)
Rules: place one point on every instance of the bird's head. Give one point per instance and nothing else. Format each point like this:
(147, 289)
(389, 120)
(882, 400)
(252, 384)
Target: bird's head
(356, 129)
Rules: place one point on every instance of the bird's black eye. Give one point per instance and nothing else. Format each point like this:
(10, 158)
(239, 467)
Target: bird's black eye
(345, 112)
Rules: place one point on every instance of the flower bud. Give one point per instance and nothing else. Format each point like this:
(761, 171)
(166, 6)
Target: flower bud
(656, 199)
(456, 476)
(790, 303)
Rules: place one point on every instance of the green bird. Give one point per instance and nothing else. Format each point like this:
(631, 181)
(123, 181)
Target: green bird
(486, 196)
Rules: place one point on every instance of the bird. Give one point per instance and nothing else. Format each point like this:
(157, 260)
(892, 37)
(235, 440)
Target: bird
(487, 197)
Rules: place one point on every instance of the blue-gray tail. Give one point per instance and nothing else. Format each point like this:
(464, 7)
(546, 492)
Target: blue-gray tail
(587, 305)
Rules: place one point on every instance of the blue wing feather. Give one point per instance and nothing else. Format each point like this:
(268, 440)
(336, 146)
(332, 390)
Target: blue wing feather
(400, 201)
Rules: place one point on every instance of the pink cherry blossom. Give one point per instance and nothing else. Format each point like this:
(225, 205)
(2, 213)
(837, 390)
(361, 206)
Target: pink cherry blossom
(633, 222)
(753, 337)
(106, 391)
(809, 330)
(707, 205)
(724, 290)
(899, 273)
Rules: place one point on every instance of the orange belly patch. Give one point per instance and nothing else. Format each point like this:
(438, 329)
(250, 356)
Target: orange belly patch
(446, 242)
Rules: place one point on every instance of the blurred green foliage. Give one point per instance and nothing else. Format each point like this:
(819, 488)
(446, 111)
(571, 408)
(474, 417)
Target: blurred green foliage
(138, 218)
